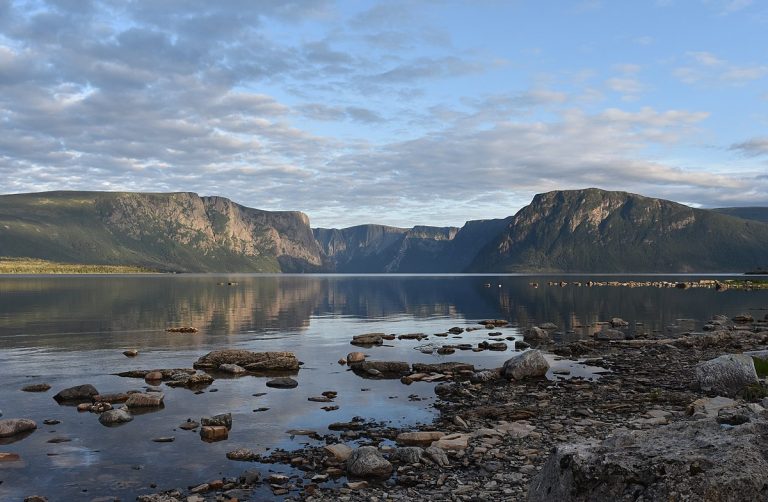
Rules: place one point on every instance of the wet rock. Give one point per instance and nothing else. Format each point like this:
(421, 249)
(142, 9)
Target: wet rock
(131, 353)
(181, 329)
(456, 330)
(189, 425)
(196, 381)
(153, 376)
(496, 323)
(79, 393)
(145, 400)
(368, 339)
(13, 426)
(339, 451)
(166, 373)
(387, 369)
(726, 375)
(164, 439)
(355, 357)
(618, 322)
(530, 363)
(222, 420)
(214, 432)
(519, 345)
(419, 438)
(282, 383)
(9, 457)
(536, 335)
(252, 361)
(115, 417)
(743, 319)
(446, 351)
(485, 376)
(35, 498)
(442, 367)
(498, 346)
(36, 387)
(119, 397)
(243, 455)
(367, 462)
(412, 336)
(232, 369)
(684, 461)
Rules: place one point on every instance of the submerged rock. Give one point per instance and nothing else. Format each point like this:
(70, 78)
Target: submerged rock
(442, 367)
(726, 375)
(530, 363)
(252, 361)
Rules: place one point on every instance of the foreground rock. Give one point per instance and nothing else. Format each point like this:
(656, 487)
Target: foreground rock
(115, 417)
(13, 426)
(697, 460)
(80, 393)
(145, 400)
(367, 462)
(252, 361)
(726, 375)
(530, 363)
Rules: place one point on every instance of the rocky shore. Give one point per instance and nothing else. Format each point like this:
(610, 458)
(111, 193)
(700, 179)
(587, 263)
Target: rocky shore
(675, 418)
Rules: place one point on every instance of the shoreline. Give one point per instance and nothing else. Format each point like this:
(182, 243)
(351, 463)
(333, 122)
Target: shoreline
(500, 434)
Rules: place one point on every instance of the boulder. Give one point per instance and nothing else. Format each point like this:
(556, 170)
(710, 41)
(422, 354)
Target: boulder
(222, 420)
(485, 376)
(726, 375)
(419, 438)
(12, 426)
(618, 322)
(536, 335)
(530, 363)
(339, 451)
(214, 432)
(190, 381)
(79, 393)
(367, 462)
(458, 442)
(409, 454)
(355, 357)
(144, 400)
(252, 361)
(131, 353)
(387, 369)
(688, 460)
(610, 334)
(115, 417)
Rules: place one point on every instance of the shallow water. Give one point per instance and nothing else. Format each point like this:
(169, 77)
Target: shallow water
(72, 330)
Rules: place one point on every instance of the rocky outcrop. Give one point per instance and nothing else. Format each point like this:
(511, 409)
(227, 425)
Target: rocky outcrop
(726, 375)
(252, 361)
(697, 460)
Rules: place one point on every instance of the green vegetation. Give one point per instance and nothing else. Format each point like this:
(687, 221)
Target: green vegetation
(10, 265)
(761, 367)
(754, 392)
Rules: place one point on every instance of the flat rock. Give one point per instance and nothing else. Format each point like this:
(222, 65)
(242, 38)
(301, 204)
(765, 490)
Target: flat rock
(386, 369)
(710, 406)
(242, 454)
(419, 438)
(252, 361)
(232, 369)
(131, 353)
(222, 419)
(367, 462)
(457, 442)
(442, 367)
(530, 363)
(145, 400)
(196, 381)
(368, 339)
(79, 393)
(282, 383)
(12, 426)
(36, 387)
(338, 451)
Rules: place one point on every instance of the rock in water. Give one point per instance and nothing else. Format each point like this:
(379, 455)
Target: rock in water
(12, 426)
(726, 375)
(282, 383)
(530, 363)
(115, 417)
(696, 460)
(355, 357)
(232, 369)
(368, 462)
(221, 420)
(145, 400)
(252, 361)
(536, 335)
(79, 393)
(36, 387)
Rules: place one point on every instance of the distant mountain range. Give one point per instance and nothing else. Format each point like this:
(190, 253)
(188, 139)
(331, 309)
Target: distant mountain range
(587, 230)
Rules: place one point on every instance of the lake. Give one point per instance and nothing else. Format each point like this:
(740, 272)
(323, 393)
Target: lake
(71, 330)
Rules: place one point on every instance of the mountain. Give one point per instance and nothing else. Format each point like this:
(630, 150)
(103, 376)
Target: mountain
(163, 231)
(594, 230)
(421, 249)
(746, 213)
(588, 230)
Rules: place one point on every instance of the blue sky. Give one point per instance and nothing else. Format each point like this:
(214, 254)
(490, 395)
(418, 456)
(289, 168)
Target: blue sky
(402, 113)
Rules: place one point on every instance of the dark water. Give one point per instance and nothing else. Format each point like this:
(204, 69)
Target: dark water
(72, 330)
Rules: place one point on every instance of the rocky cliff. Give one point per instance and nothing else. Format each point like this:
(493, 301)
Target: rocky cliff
(599, 231)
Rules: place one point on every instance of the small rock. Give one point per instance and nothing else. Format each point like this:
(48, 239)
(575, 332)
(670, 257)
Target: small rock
(283, 383)
(368, 462)
(115, 417)
(36, 387)
(339, 451)
(214, 432)
(77, 393)
(131, 353)
(232, 369)
(222, 419)
(13, 426)
(419, 438)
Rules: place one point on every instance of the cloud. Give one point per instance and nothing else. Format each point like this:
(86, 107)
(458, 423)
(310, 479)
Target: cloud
(708, 69)
(752, 147)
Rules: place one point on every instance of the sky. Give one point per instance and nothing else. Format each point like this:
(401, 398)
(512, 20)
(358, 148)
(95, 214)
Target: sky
(426, 112)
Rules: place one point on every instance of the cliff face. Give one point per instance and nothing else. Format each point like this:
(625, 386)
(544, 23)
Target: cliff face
(598, 231)
(174, 231)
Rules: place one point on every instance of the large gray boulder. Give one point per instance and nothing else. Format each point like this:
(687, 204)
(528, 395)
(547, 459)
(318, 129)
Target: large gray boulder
(80, 393)
(115, 417)
(12, 426)
(726, 375)
(367, 462)
(691, 460)
(537, 335)
(530, 363)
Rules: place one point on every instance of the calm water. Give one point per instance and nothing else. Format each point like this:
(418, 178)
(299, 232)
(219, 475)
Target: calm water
(72, 330)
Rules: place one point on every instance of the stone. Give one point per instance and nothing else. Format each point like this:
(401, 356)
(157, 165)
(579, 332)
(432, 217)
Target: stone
(456, 330)
(131, 353)
(530, 363)
(282, 383)
(408, 454)
(726, 375)
(164, 439)
(485, 376)
(119, 397)
(338, 451)
(195, 381)
(548, 326)
(79, 393)
(610, 334)
(419, 438)
(115, 417)
(517, 430)
(355, 357)
(35, 498)
(222, 419)
(9, 457)
(232, 369)
(145, 400)
(368, 339)
(242, 454)
(357, 485)
(181, 329)
(437, 455)
(442, 367)
(387, 369)
(536, 335)
(456, 442)
(701, 461)
(368, 462)
(214, 432)
(618, 322)
(13, 426)
(710, 406)
(36, 387)
(252, 361)
(153, 376)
